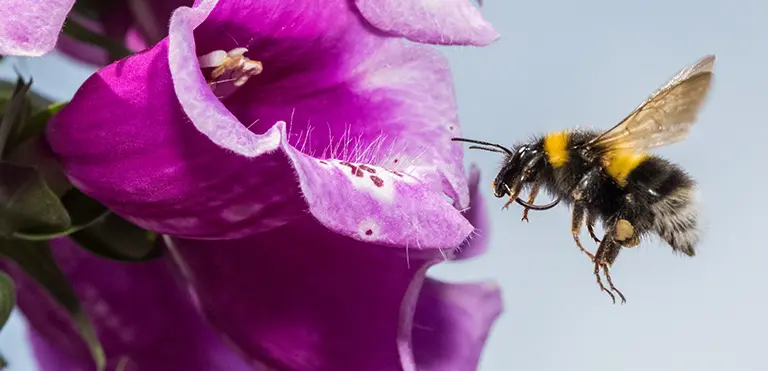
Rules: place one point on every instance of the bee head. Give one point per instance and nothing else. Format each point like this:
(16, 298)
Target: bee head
(523, 165)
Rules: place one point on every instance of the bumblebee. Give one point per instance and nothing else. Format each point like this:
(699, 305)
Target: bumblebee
(611, 177)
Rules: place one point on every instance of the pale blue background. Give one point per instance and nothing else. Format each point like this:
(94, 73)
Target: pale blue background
(561, 64)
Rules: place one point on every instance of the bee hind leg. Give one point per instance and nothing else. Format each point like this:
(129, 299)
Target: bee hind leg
(600, 281)
(626, 234)
(608, 252)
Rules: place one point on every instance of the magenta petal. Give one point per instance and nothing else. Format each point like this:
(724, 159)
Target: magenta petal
(446, 22)
(139, 312)
(477, 215)
(301, 297)
(31, 28)
(451, 324)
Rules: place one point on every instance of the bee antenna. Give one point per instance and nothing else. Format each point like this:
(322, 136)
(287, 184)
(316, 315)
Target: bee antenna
(494, 145)
(487, 149)
(538, 207)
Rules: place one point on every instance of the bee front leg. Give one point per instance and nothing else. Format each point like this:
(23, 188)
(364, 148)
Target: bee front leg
(513, 193)
(531, 198)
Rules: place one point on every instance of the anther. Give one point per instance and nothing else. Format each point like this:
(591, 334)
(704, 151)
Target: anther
(235, 61)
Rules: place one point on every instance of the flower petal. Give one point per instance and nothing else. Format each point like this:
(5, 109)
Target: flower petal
(451, 324)
(477, 215)
(301, 297)
(31, 28)
(139, 312)
(131, 145)
(445, 22)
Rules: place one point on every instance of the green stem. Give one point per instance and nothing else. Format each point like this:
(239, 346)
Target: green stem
(67, 232)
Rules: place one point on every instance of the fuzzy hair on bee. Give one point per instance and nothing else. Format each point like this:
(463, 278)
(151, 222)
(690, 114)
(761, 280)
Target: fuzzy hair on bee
(612, 178)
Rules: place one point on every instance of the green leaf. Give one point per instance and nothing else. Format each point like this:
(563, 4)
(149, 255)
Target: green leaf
(38, 100)
(15, 112)
(36, 153)
(118, 239)
(36, 124)
(7, 298)
(20, 120)
(111, 237)
(37, 260)
(94, 227)
(27, 202)
(3, 363)
(47, 236)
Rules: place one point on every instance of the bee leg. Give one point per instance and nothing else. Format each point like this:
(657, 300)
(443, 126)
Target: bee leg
(610, 256)
(598, 264)
(591, 218)
(606, 254)
(531, 198)
(626, 234)
(513, 193)
(582, 195)
(576, 220)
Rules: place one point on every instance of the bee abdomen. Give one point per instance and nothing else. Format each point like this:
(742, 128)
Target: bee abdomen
(676, 219)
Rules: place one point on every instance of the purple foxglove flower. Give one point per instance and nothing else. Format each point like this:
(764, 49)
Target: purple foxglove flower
(30, 28)
(300, 159)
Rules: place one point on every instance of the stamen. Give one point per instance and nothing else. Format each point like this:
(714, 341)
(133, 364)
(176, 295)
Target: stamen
(240, 67)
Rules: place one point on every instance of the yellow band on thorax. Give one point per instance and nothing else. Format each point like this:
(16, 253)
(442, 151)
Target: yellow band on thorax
(556, 148)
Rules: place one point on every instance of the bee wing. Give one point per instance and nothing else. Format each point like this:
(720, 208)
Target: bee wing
(665, 117)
